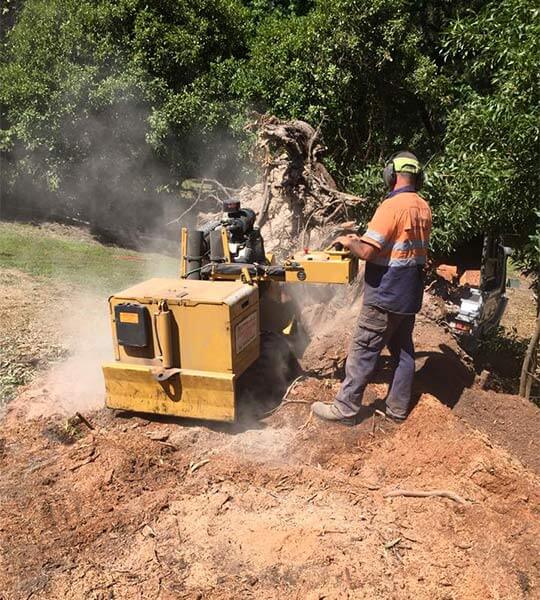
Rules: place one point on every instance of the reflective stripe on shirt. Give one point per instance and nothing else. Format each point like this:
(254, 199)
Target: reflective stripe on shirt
(377, 237)
(411, 261)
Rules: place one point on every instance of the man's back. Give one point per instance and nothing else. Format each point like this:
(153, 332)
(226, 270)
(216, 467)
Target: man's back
(400, 229)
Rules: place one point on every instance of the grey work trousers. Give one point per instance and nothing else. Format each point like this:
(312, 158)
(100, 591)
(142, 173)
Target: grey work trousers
(375, 329)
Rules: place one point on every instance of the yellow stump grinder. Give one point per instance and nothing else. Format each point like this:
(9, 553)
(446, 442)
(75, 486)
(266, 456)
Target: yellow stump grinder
(180, 345)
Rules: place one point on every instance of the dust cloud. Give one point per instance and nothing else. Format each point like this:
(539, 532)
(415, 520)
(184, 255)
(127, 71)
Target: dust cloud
(76, 384)
(322, 308)
(111, 180)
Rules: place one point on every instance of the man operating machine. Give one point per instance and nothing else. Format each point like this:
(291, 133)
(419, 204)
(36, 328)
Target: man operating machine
(395, 248)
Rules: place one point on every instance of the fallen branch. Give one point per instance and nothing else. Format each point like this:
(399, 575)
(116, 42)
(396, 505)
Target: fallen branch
(292, 386)
(325, 531)
(425, 494)
(226, 190)
(195, 202)
(204, 195)
(285, 395)
(84, 420)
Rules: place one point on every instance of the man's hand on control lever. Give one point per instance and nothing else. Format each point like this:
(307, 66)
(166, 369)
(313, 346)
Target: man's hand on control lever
(357, 246)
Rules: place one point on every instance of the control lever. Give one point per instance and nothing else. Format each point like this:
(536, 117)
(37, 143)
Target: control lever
(335, 246)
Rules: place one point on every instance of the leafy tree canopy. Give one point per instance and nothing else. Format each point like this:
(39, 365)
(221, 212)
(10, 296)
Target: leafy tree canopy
(162, 90)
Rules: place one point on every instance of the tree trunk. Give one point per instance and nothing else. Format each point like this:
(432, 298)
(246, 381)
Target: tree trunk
(529, 363)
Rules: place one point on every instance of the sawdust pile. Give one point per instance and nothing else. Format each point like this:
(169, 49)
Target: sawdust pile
(147, 509)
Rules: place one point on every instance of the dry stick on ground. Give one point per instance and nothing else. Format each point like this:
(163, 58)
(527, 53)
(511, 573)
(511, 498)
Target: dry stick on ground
(285, 395)
(84, 420)
(194, 466)
(425, 494)
(309, 419)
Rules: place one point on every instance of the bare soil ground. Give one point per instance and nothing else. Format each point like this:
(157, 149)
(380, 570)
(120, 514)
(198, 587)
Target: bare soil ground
(29, 338)
(279, 507)
(153, 510)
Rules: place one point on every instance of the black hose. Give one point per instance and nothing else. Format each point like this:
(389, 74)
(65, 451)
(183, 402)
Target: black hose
(197, 270)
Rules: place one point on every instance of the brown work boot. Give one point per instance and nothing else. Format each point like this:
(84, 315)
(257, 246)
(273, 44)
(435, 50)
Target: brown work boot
(330, 412)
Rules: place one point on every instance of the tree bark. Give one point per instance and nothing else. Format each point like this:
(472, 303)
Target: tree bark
(529, 363)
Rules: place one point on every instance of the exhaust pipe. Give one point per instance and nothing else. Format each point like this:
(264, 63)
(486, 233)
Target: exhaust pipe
(163, 320)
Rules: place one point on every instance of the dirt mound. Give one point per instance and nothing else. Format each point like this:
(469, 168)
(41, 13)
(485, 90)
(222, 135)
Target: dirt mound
(286, 506)
(509, 421)
(151, 508)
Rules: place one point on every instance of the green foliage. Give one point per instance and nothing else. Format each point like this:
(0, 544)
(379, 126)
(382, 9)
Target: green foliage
(69, 64)
(113, 101)
(486, 179)
(348, 64)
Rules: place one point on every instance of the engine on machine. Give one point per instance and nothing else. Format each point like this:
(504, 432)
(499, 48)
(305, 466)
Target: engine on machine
(234, 238)
(232, 248)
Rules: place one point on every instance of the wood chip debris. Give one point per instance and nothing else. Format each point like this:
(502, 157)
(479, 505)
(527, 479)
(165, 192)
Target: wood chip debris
(392, 543)
(84, 420)
(464, 545)
(158, 436)
(108, 477)
(325, 531)
(147, 531)
(197, 465)
(94, 454)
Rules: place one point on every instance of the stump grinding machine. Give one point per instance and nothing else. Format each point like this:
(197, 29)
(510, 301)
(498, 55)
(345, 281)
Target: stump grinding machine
(180, 345)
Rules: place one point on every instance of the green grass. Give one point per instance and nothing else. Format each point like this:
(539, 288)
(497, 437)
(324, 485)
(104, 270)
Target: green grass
(79, 262)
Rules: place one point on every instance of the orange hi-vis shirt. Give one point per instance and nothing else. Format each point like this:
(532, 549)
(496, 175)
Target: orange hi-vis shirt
(400, 229)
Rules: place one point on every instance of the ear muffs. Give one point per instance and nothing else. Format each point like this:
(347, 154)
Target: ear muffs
(389, 175)
(396, 164)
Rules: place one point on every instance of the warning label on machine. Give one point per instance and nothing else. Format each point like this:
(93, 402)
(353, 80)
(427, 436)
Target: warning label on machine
(126, 317)
(245, 332)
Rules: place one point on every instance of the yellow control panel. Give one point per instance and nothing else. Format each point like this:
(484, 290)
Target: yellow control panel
(325, 266)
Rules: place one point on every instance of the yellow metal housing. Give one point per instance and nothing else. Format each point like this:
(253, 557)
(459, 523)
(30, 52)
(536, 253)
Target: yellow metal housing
(209, 337)
(327, 266)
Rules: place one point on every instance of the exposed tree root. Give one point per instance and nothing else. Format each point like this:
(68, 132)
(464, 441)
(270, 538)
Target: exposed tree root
(425, 494)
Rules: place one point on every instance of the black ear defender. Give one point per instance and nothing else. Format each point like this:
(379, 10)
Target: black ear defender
(402, 162)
